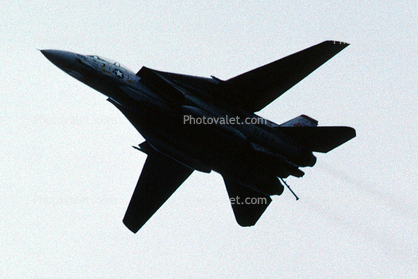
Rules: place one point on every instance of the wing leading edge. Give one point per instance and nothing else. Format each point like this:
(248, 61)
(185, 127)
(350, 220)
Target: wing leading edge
(257, 88)
(159, 179)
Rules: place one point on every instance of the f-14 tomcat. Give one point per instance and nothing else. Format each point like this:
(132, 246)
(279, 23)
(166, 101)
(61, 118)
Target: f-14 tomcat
(196, 123)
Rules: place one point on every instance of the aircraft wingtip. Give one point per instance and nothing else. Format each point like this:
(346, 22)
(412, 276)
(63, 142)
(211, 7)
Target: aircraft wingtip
(338, 42)
(130, 226)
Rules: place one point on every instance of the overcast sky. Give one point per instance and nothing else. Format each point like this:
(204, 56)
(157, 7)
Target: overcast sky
(69, 170)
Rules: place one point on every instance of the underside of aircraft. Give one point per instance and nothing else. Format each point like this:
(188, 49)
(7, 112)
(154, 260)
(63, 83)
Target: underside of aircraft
(253, 158)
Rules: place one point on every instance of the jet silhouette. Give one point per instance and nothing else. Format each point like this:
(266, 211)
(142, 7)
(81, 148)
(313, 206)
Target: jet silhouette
(196, 123)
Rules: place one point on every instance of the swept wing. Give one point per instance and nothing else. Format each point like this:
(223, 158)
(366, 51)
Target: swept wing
(253, 90)
(159, 179)
(257, 88)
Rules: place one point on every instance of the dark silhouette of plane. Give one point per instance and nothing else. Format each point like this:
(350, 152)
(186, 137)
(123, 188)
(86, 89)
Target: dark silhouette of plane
(195, 123)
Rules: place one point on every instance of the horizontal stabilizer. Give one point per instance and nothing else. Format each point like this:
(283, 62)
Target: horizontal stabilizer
(248, 205)
(319, 139)
(160, 178)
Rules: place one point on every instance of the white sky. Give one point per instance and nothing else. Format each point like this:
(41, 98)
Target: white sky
(69, 170)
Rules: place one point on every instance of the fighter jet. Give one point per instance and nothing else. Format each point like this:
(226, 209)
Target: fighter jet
(207, 124)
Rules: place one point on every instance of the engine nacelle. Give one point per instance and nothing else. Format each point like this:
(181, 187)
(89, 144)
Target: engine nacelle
(306, 159)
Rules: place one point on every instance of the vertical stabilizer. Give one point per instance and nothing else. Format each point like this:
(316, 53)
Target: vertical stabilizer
(301, 121)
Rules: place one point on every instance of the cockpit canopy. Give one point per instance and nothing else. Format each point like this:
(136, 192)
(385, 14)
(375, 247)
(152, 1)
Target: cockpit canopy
(111, 61)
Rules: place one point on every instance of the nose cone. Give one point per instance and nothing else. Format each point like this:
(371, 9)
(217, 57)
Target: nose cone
(66, 61)
(62, 59)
